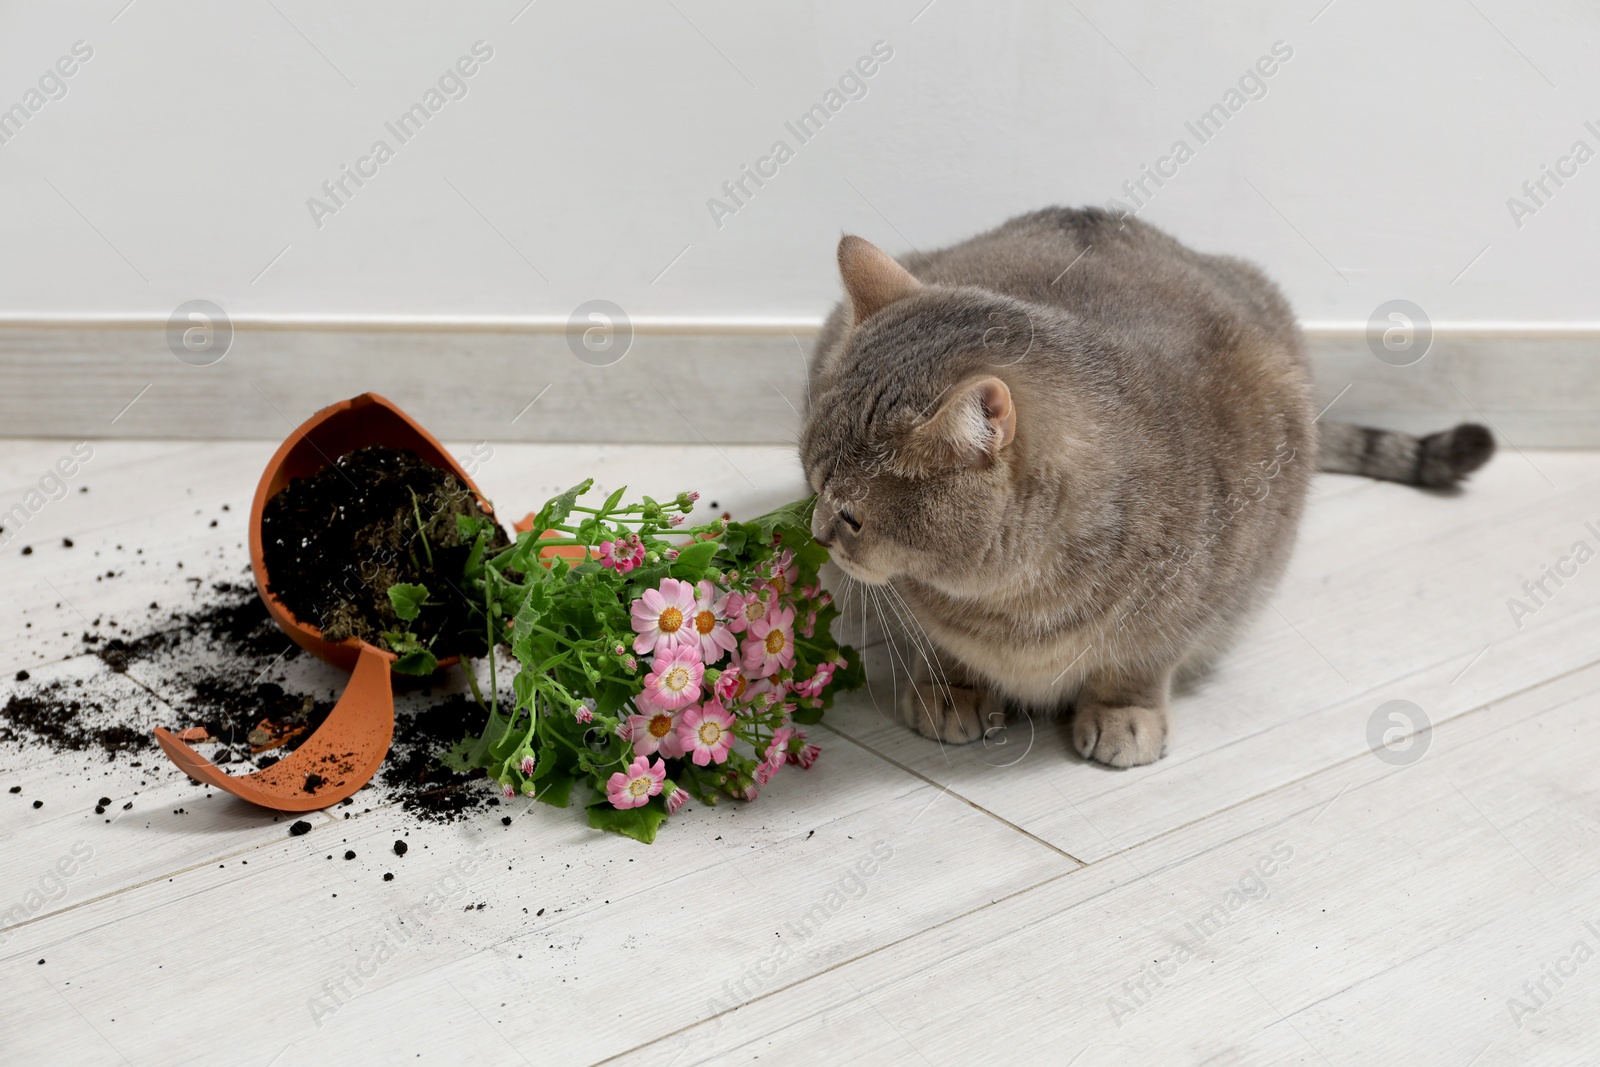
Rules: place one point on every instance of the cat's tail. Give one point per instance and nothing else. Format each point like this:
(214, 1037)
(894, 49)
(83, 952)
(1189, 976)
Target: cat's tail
(1437, 461)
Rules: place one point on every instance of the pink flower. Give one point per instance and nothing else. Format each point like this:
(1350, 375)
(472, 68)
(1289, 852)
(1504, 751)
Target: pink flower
(584, 715)
(709, 623)
(623, 554)
(748, 793)
(508, 790)
(674, 678)
(676, 798)
(778, 748)
(765, 772)
(654, 730)
(808, 752)
(783, 571)
(808, 628)
(730, 685)
(707, 733)
(527, 764)
(765, 693)
(769, 643)
(663, 617)
(814, 685)
(746, 608)
(634, 787)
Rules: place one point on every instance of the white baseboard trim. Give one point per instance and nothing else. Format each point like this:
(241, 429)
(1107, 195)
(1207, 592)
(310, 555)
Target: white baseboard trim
(732, 380)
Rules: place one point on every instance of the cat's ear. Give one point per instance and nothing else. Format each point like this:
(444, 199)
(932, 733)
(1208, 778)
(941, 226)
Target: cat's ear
(974, 423)
(872, 278)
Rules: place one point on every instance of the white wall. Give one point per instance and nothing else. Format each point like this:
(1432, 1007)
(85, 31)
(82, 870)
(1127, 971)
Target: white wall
(1386, 148)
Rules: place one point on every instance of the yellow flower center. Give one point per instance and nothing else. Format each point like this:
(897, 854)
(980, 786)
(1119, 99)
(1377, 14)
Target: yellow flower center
(754, 610)
(774, 642)
(705, 622)
(661, 725)
(670, 620)
(677, 679)
(780, 583)
(640, 786)
(709, 733)
(744, 683)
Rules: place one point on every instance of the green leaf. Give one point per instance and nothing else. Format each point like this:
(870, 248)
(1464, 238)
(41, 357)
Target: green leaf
(420, 662)
(692, 561)
(501, 748)
(649, 576)
(557, 508)
(400, 641)
(459, 756)
(795, 515)
(611, 698)
(733, 540)
(637, 823)
(852, 677)
(407, 599)
(557, 792)
(473, 569)
(614, 499)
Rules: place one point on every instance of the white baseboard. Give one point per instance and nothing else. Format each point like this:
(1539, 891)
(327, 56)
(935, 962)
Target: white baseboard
(730, 380)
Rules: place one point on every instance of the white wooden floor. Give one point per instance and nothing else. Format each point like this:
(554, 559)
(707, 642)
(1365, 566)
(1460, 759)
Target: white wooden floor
(1272, 892)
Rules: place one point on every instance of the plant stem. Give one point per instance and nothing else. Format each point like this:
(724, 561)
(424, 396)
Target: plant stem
(472, 679)
(488, 615)
(554, 636)
(416, 509)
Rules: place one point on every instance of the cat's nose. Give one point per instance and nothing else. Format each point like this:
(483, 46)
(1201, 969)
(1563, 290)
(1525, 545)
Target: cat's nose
(825, 538)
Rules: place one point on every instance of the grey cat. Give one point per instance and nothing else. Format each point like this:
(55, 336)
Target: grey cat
(1077, 452)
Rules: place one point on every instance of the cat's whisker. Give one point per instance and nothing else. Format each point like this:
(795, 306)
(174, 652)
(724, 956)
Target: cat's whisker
(895, 653)
(922, 644)
(850, 593)
(927, 712)
(894, 691)
(931, 653)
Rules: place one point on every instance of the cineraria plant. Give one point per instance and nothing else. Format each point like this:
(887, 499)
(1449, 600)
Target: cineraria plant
(656, 661)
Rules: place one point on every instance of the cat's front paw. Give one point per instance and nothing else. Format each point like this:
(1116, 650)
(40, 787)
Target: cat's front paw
(957, 714)
(1122, 736)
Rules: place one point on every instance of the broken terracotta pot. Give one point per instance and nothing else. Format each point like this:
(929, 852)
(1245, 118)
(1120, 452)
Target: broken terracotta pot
(348, 748)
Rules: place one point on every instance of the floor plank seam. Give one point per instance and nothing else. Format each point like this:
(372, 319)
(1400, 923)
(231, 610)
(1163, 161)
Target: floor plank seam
(836, 966)
(1486, 705)
(164, 876)
(946, 789)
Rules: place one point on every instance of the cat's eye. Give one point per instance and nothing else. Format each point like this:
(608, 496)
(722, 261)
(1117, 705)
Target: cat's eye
(850, 519)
